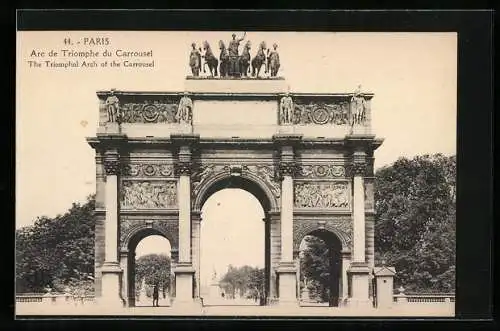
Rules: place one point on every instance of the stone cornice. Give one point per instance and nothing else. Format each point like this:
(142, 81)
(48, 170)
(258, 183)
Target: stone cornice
(188, 139)
(101, 142)
(321, 213)
(224, 95)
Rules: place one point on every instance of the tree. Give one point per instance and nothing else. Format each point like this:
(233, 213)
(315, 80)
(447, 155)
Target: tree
(415, 221)
(57, 252)
(154, 269)
(314, 264)
(243, 280)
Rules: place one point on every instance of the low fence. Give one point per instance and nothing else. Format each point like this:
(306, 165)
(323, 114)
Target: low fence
(54, 298)
(65, 298)
(424, 298)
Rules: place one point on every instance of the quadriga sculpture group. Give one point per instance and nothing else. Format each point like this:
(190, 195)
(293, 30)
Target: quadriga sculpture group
(230, 63)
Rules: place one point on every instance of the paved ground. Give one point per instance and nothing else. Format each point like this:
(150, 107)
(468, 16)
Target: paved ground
(408, 310)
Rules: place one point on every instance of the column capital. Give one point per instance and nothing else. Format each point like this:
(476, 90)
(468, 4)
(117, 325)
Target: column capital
(358, 169)
(112, 162)
(287, 168)
(183, 168)
(359, 164)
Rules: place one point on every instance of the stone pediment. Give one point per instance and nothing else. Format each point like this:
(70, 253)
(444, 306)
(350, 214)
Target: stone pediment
(384, 271)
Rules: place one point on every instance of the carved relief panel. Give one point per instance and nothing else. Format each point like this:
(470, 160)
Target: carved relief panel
(150, 112)
(144, 194)
(332, 113)
(323, 195)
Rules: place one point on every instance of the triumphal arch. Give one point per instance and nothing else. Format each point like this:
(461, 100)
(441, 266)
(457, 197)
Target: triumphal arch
(307, 157)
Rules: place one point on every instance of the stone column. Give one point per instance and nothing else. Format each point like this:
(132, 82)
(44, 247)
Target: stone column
(195, 242)
(275, 247)
(184, 271)
(296, 259)
(174, 258)
(111, 271)
(124, 265)
(346, 259)
(359, 271)
(287, 269)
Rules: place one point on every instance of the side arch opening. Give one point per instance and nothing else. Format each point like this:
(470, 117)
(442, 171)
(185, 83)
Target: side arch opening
(320, 274)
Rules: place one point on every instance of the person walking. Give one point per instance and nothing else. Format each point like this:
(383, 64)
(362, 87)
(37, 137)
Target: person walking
(155, 296)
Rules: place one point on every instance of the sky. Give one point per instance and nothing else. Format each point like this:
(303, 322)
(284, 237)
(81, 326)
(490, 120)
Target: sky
(413, 77)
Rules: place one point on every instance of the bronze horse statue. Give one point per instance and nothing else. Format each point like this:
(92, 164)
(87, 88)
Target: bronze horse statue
(259, 60)
(245, 59)
(224, 60)
(210, 59)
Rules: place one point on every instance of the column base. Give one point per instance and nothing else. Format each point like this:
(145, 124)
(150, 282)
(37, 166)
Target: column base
(287, 273)
(184, 273)
(111, 291)
(359, 274)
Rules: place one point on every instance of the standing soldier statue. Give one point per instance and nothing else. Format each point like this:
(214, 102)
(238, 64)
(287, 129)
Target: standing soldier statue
(233, 55)
(112, 107)
(286, 110)
(185, 110)
(358, 105)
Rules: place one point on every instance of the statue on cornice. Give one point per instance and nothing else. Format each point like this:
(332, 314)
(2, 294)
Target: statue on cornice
(358, 107)
(112, 107)
(195, 60)
(286, 110)
(273, 59)
(185, 110)
(234, 59)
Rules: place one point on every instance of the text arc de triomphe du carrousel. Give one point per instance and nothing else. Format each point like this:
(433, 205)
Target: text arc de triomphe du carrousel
(307, 157)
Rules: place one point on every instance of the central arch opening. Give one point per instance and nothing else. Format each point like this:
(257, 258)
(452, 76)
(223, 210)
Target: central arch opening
(234, 239)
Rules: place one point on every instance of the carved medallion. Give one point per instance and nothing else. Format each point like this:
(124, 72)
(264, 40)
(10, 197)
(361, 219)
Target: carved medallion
(320, 116)
(322, 195)
(150, 113)
(322, 171)
(147, 170)
(148, 194)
